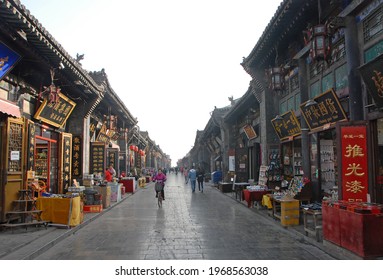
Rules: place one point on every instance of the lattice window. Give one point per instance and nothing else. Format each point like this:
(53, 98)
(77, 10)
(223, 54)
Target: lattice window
(15, 147)
(373, 25)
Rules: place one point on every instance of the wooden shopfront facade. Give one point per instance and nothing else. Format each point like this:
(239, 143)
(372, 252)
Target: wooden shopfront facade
(45, 97)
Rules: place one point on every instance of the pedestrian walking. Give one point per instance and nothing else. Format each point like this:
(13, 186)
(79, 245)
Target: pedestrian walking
(192, 175)
(200, 178)
(186, 175)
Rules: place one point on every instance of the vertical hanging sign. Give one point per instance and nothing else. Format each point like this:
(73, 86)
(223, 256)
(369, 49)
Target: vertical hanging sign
(67, 156)
(76, 156)
(354, 178)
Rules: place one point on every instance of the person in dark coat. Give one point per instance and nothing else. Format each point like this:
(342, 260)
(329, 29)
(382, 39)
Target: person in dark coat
(200, 178)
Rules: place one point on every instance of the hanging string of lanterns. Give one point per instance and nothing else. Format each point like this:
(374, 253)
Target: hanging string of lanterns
(135, 148)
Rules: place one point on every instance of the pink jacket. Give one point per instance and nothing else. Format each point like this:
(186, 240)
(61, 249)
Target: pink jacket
(159, 177)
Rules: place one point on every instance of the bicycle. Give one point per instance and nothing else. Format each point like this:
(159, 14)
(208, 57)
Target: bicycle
(159, 186)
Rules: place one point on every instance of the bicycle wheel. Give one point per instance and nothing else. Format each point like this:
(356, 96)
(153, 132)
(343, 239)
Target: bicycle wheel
(159, 200)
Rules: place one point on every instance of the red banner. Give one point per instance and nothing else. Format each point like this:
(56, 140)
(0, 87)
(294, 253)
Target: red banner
(354, 163)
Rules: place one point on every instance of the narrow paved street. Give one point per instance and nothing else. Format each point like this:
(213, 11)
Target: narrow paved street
(208, 225)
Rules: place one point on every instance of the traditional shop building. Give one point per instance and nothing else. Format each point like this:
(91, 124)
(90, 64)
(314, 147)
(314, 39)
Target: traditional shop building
(213, 143)
(45, 93)
(314, 82)
(242, 129)
(108, 126)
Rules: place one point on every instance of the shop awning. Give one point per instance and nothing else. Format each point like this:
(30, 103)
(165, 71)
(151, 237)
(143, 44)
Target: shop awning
(9, 108)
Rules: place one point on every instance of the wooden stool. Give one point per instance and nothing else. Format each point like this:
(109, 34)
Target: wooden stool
(312, 220)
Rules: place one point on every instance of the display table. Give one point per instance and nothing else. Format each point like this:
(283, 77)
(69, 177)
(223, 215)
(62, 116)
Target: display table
(62, 211)
(129, 183)
(238, 188)
(253, 196)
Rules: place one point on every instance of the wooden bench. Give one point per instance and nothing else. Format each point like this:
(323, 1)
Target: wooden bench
(312, 221)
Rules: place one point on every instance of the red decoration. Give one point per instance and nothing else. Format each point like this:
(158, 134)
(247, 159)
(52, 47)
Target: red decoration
(354, 163)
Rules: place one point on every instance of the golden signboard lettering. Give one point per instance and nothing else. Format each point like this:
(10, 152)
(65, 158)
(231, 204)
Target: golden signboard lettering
(354, 169)
(354, 186)
(354, 151)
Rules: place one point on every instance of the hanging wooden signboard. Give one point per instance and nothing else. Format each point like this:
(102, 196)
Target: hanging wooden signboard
(286, 126)
(325, 110)
(56, 113)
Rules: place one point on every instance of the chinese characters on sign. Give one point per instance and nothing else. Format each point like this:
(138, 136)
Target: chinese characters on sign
(287, 126)
(76, 156)
(372, 75)
(354, 163)
(327, 110)
(67, 154)
(57, 113)
(250, 133)
(97, 157)
(31, 149)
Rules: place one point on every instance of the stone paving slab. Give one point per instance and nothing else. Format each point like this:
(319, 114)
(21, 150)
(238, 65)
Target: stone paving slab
(210, 225)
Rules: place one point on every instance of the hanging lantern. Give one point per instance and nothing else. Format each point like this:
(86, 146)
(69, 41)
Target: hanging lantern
(131, 147)
(275, 77)
(136, 148)
(320, 44)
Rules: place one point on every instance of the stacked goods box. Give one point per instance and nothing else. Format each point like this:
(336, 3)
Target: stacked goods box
(289, 212)
(105, 194)
(115, 191)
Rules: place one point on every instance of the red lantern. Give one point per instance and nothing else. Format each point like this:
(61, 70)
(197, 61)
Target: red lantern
(131, 147)
(136, 148)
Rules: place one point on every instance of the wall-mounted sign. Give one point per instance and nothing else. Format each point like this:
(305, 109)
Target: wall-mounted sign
(15, 155)
(76, 156)
(97, 157)
(66, 160)
(372, 75)
(354, 170)
(250, 132)
(31, 146)
(8, 59)
(57, 113)
(286, 126)
(325, 110)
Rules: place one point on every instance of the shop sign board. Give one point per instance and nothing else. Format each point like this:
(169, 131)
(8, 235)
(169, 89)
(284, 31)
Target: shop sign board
(287, 126)
(76, 156)
(326, 110)
(354, 161)
(32, 145)
(8, 59)
(55, 113)
(97, 157)
(66, 160)
(250, 133)
(103, 136)
(372, 75)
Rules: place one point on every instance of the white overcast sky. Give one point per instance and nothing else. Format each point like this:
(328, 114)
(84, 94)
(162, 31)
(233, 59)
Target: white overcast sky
(169, 61)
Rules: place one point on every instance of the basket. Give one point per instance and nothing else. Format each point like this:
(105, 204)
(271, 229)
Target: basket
(158, 187)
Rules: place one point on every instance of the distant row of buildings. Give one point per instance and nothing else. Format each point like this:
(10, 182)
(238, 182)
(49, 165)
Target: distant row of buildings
(57, 120)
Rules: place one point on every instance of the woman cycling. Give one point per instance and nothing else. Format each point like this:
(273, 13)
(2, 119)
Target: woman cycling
(160, 178)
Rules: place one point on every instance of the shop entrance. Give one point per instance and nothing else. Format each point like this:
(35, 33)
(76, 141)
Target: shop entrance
(46, 163)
